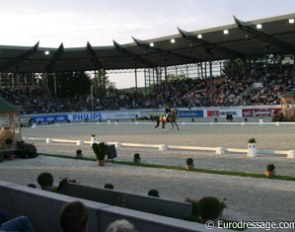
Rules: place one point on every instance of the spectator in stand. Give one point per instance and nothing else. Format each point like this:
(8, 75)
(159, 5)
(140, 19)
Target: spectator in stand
(121, 226)
(74, 217)
(17, 224)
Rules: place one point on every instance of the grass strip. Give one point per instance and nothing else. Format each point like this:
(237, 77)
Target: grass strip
(161, 166)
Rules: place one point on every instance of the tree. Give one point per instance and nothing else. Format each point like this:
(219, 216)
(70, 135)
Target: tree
(69, 84)
(234, 67)
(102, 84)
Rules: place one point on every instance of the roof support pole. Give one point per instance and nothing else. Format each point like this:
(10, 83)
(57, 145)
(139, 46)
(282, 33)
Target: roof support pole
(135, 73)
(166, 87)
(266, 65)
(211, 80)
(293, 71)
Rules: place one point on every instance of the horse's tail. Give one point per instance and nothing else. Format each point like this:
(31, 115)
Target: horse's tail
(158, 121)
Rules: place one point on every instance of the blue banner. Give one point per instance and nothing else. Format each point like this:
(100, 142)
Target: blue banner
(190, 114)
(50, 118)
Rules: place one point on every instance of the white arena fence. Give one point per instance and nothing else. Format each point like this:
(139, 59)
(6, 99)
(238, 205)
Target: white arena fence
(250, 151)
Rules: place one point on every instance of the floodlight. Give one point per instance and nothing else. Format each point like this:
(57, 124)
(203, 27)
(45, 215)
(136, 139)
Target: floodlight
(291, 21)
(259, 26)
(47, 53)
(152, 44)
(225, 31)
(172, 41)
(200, 36)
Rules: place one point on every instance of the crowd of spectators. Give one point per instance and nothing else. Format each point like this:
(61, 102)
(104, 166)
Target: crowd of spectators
(218, 91)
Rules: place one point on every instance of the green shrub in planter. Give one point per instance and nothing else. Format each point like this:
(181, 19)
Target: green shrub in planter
(189, 161)
(100, 150)
(79, 153)
(270, 170)
(189, 164)
(252, 140)
(270, 167)
(136, 158)
(27, 150)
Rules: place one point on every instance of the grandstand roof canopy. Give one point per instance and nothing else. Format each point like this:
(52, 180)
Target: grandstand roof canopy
(274, 35)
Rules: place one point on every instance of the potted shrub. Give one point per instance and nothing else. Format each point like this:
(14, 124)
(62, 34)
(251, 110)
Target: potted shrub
(136, 158)
(45, 180)
(26, 150)
(189, 164)
(270, 170)
(79, 153)
(251, 147)
(100, 150)
(210, 208)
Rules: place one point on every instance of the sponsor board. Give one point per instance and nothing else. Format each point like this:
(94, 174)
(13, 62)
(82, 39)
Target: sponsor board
(87, 116)
(121, 115)
(50, 118)
(260, 112)
(235, 113)
(190, 114)
(212, 113)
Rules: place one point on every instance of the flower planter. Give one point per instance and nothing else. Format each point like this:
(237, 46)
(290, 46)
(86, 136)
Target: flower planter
(100, 163)
(252, 150)
(189, 166)
(136, 161)
(270, 174)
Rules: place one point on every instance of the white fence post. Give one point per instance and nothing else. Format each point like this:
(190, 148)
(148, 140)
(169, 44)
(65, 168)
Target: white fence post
(117, 144)
(163, 147)
(93, 139)
(219, 151)
(291, 154)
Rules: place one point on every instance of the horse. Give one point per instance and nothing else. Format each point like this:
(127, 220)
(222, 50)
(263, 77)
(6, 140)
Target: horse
(171, 118)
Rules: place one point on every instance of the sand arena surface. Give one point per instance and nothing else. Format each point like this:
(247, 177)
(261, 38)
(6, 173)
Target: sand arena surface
(247, 198)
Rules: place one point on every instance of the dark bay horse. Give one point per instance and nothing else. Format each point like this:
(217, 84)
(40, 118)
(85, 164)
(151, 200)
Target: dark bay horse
(163, 119)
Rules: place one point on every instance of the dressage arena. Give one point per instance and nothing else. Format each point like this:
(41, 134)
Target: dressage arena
(247, 198)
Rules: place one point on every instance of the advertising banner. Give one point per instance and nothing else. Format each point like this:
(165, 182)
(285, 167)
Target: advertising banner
(260, 112)
(234, 113)
(190, 114)
(212, 113)
(85, 116)
(50, 118)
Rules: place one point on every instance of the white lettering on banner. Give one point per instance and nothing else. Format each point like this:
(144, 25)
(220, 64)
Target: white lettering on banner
(119, 115)
(86, 116)
(262, 113)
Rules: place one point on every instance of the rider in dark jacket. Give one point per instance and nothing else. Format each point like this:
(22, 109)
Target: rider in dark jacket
(167, 111)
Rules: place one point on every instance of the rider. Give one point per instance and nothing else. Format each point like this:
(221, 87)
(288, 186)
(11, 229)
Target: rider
(167, 111)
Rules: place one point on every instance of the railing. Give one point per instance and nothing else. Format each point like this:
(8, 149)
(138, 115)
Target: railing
(164, 147)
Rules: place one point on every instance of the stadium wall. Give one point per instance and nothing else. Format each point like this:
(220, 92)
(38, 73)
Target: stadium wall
(124, 114)
(43, 209)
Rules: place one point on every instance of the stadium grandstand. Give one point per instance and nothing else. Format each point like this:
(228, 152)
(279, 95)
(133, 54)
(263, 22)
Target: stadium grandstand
(245, 63)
